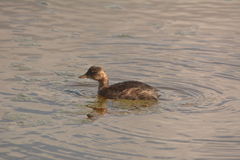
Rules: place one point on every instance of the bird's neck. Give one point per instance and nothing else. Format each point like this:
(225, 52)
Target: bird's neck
(103, 83)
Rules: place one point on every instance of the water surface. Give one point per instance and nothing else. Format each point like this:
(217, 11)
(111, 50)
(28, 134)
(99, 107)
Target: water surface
(189, 50)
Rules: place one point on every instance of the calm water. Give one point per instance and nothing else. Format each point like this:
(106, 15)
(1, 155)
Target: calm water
(189, 50)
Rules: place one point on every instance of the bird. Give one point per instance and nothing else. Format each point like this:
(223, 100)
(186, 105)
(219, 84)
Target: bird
(130, 90)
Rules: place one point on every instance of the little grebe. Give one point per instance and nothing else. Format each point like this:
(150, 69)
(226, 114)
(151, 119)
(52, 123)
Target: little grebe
(133, 90)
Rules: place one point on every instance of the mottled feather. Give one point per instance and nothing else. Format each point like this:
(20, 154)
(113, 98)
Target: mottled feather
(129, 90)
(134, 90)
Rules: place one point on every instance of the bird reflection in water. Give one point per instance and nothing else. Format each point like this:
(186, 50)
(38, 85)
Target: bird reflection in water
(99, 108)
(101, 105)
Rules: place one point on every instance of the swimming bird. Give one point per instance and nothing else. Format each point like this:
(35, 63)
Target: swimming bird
(132, 90)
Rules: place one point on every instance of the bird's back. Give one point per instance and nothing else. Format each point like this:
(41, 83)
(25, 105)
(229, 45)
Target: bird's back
(130, 90)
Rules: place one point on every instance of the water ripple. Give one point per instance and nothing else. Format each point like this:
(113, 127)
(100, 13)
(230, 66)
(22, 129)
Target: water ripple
(192, 98)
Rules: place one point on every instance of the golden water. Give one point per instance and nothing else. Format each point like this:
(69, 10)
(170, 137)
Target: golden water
(189, 50)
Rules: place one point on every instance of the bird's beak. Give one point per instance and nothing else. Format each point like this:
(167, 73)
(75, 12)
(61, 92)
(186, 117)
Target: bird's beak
(83, 76)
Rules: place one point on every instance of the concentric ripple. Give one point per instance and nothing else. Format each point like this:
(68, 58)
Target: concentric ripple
(191, 98)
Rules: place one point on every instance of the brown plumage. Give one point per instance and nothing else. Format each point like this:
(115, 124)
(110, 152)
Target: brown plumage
(133, 90)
